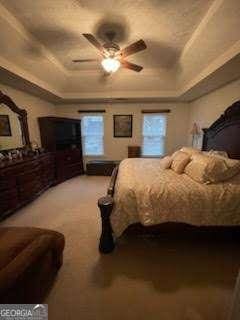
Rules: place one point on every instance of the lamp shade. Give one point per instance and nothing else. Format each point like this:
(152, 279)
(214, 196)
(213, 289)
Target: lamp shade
(195, 129)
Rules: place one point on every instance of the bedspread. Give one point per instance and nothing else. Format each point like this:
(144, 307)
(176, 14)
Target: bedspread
(146, 193)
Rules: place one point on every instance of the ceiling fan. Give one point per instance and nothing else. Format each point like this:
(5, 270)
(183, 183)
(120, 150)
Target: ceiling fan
(112, 55)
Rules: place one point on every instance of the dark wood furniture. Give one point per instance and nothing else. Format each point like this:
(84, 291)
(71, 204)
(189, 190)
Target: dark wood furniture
(101, 167)
(223, 134)
(23, 180)
(134, 151)
(63, 137)
(22, 116)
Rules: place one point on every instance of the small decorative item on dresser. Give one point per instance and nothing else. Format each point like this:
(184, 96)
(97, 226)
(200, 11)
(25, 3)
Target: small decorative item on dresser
(2, 156)
(134, 151)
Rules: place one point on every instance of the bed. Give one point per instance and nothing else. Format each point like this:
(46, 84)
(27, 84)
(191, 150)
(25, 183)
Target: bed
(141, 193)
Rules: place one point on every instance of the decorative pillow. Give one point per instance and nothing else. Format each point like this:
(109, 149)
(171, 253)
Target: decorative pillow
(190, 150)
(165, 163)
(218, 153)
(209, 169)
(197, 168)
(179, 161)
(233, 167)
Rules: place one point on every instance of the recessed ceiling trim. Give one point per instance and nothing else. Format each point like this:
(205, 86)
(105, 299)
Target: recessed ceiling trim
(16, 70)
(121, 94)
(107, 93)
(18, 26)
(202, 25)
(215, 65)
(92, 111)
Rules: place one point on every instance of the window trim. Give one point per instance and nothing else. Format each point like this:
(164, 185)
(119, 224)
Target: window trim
(103, 137)
(154, 114)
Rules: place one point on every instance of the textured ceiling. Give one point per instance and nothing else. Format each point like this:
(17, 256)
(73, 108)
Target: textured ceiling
(165, 25)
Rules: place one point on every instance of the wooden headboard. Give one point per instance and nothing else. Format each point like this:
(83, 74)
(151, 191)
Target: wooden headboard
(224, 133)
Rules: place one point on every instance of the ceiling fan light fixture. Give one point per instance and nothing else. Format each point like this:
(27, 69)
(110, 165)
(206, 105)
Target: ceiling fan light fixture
(110, 64)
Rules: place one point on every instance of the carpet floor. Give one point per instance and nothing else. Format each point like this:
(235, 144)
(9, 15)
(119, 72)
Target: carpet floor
(144, 278)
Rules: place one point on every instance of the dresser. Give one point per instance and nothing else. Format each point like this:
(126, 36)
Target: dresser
(62, 136)
(23, 180)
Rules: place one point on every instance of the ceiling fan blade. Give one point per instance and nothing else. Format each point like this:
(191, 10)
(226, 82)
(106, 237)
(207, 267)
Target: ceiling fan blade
(93, 41)
(130, 65)
(84, 60)
(133, 48)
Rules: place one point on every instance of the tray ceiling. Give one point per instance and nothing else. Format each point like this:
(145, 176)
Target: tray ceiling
(192, 47)
(165, 26)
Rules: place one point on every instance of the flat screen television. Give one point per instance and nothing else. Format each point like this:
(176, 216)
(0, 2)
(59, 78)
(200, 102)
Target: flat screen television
(68, 134)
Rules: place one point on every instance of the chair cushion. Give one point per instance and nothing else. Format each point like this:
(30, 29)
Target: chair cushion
(14, 240)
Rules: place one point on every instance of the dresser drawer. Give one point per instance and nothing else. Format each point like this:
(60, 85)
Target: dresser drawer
(29, 190)
(22, 180)
(48, 168)
(49, 175)
(8, 200)
(7, 183)
(29, 175)
(24, 167)
(48, 178)
(73, 170)
(46, 161)
(68, 157)
(7, 195)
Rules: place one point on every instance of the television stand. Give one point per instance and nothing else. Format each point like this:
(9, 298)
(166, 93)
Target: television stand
(63, 137)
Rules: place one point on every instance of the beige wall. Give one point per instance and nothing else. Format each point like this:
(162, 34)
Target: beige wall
(207, 109)
(34, 106)
(204, 111)
(116, 148)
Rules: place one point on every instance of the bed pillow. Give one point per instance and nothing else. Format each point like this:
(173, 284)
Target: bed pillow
(179, 161)
(218, 153)
(209, 169)
(233, 167)
(165, 163)
(189, 150)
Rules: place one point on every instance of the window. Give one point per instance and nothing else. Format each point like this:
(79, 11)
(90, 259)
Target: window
(92, 135)
(154, 132)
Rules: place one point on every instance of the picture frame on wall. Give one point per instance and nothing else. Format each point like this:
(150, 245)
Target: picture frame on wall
(5, 128)
(122, 124)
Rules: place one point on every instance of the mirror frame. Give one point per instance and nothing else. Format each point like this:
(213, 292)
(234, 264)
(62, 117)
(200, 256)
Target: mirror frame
(22, 116)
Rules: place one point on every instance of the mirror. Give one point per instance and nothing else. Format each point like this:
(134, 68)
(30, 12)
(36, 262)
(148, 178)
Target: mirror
(10, 129)
(13, 125)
